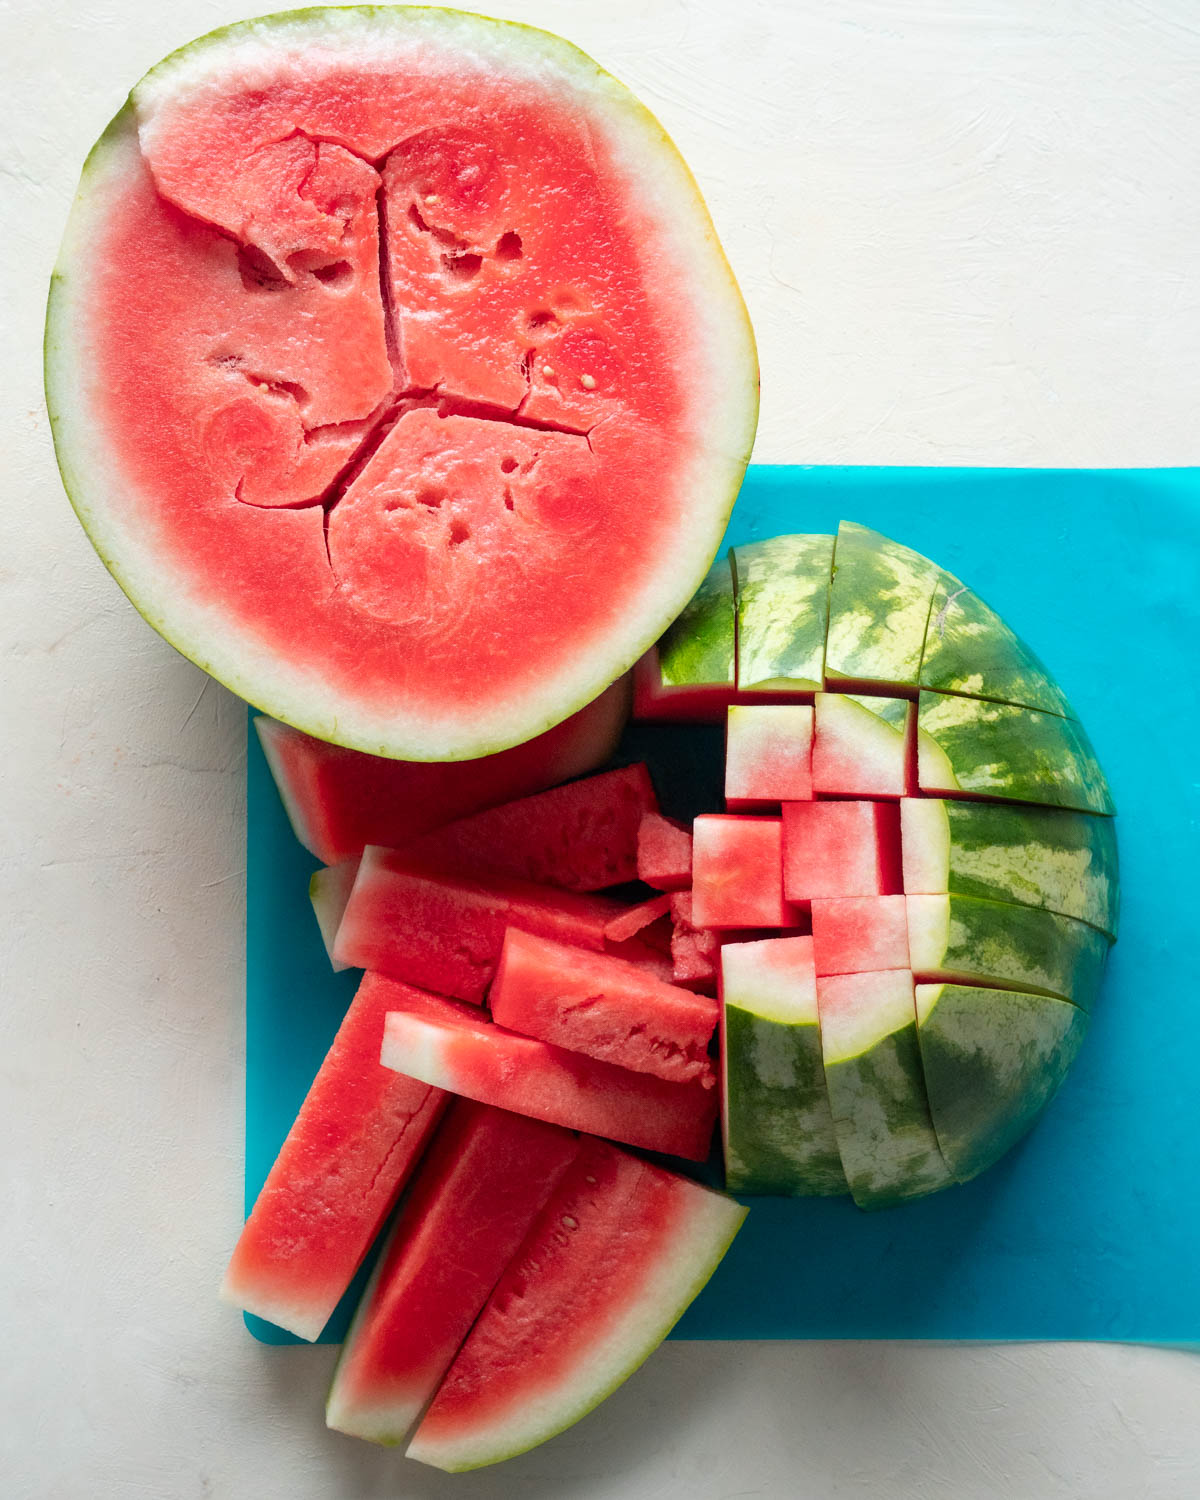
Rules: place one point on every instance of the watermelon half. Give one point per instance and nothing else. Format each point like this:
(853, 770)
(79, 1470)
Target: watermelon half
(397, 374)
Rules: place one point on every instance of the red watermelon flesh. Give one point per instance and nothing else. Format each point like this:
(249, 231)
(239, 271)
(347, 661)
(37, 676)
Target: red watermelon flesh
(616, 1255)
(646, 952)
(664, 853)
(841, 849)
(737, 872)
(646, 914)
(430, 1038)
(340, 800)
(359, 1133)
(329, 891)
(581, 837)
(487, 1175)
(768, 755)
(695, 951)
(359, 307)
(859, 934)
(604, 1008)
(445, 932)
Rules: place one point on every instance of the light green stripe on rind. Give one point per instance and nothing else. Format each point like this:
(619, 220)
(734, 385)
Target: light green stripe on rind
(998, 750)
(969, 649)
(893, 711)
(698, 650)
(993, 1060)
(782, 610)
(996, 942)
(878, 608)
(779, 1135)
(1049, 857)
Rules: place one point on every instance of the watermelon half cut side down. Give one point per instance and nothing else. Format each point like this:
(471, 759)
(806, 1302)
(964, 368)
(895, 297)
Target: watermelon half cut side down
(526, 362)
(614, 1259)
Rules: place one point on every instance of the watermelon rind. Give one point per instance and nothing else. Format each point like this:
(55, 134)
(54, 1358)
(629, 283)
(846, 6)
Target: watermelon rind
(878, 609)
(965, 939)
(782, 612)
(697, 649)
(1002, 750)
(719, 368)
(969, 649)
(329, 891)
(776, 1121)
(1050, 857)
(993, 1059)
(885, 1133)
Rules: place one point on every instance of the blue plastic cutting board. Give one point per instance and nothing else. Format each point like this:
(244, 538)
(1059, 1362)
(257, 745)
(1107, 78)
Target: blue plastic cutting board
(1091, 1228)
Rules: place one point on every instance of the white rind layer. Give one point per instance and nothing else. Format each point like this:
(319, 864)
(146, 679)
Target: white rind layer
(718, 366)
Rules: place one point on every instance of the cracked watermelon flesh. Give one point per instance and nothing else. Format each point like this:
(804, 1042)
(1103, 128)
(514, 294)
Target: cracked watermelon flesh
(620, 1250)
(524, 361)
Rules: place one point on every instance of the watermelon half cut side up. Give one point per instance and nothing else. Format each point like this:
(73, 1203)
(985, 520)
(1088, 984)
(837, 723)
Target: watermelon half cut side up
(527, 362)
(619, 1252)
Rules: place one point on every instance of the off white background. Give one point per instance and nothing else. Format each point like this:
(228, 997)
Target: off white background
(968, 233)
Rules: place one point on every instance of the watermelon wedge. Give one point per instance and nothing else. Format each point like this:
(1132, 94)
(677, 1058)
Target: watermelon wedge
(609, 1266)
(604, 1008)
(338, 801)
(445, 932)
(360, 1131)
(329, 891)
(431, 1039)
(487, 1175)
(523, 360)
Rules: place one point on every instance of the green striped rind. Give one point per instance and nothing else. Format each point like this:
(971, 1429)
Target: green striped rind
(1037, 856)
(993, 1060)
(878, 608)
(782, 612)
(885, 1133)
(698, 650)
(969, 649)
(998, 750)
(776, 1121)
(997, 942)
(893, 711)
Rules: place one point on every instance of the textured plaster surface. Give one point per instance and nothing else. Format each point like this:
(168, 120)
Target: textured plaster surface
(968, 234)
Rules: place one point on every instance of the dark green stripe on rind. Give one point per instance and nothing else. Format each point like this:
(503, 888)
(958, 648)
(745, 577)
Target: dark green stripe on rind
(993, 1060)
(782, 609)
(996, 942)
(698, 650)
(1049, 857)
(969, 649)
(998, 750)
(778, 1126)
(878, 609)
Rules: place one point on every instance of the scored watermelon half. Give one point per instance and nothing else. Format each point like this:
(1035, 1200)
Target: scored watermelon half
(397, 374)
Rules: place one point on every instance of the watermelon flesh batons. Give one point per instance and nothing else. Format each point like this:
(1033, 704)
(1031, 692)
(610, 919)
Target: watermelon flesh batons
(617, 1254)
(526, 362)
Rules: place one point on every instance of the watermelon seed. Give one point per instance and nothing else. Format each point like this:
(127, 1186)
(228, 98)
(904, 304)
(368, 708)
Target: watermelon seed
(548, 372)
(508, 499)
(541, 318)
(459, 532)
(431, 496)
(569, 1223)
(588, 382)
(507, 465)
(508, 246)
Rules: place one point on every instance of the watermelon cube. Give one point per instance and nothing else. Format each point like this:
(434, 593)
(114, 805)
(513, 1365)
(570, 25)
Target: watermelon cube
(582, 836)
(360, 1131)
(768, 755)
(458, 1048)
(859, 934)
(488, 1174)
(841, 849)
(737, 878)
(444, 932)
(863, 746)
(604, 1008)
(664, 858)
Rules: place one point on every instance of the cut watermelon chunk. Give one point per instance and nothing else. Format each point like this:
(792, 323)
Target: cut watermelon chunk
(581, 837)
(360, 1131)
(690, 676)
(878, 609)
(863, 746)
(783, 611)
(615, 1257)
(645, 914)
(487, 1176)
(427, 1037)
(664, 853)
(329, 891)
(768, 755)
(778, 1128)
(397, 374)
(604, 1008)
(339, 800)
(444, 932)
(738, 872)
(859, 934)
(695, 951)
(841, 849)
